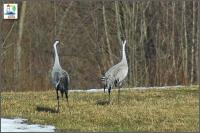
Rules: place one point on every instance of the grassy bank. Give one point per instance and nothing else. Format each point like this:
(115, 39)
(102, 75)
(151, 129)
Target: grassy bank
(139, 110)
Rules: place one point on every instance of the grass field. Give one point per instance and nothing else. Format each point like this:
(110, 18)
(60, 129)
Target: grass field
(139, 110)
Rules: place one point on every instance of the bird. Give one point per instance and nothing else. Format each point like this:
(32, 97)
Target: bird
(116, 74)
(60, 78)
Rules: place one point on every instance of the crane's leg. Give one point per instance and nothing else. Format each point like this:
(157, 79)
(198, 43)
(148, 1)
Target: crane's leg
(118, 95)
(66, 95)
(62, 93)
(109, 91)
(104, 88)
(57, 100)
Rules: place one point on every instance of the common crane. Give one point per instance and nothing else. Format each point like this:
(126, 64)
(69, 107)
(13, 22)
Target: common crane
(60, 78)
(116, 74)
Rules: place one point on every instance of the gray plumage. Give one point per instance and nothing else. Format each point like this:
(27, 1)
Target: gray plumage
(116, 74)
(60, 78)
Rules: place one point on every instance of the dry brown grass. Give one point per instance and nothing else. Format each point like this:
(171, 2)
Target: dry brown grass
(139, 110)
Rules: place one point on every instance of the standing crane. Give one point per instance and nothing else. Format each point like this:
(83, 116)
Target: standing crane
(116, 74)
(60, 78)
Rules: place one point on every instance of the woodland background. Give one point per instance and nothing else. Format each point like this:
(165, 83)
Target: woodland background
(161, 36)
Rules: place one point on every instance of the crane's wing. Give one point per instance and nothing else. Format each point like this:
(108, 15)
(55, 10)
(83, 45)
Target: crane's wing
(116, 73)
(64, 81)
(55, 78)
(111, 71)
(121, 72)
(109, 77)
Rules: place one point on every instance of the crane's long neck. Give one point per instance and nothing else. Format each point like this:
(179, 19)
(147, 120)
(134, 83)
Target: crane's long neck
(56, 63)
(124, 54)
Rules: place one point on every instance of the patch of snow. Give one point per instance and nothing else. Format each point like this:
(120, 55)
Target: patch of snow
(94, 90)
(19, 125)
(134, 88)
(77, 90)
(89, 90)
(160, 87)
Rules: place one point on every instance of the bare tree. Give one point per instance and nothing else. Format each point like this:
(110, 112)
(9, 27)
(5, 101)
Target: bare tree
(199, 42)
(107, 35)
(161, 41)
(193, 43)
(186, 45)
(63, 18)
(18, 64)
(173, 41)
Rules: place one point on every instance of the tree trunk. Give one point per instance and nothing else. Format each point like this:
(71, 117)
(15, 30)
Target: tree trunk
(55, 17)
(62, 20)
(107, 38)
(193, 44)
(18, 53)
(173, 43)
(117, 17)
(198, 43)
(185, 49)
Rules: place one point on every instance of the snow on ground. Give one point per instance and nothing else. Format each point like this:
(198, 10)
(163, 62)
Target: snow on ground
(89, 90)
(19, 125)
(135, 88)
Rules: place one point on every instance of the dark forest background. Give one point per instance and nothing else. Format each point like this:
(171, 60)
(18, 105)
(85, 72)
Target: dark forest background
(161, 48)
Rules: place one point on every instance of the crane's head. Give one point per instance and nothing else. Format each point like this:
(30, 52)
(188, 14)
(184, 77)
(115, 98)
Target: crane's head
(55, 43)
(124, 43)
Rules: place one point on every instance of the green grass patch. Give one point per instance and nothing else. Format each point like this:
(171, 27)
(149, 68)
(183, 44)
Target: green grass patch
(139, 110)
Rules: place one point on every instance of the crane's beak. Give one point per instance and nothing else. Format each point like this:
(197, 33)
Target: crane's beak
(62, 43)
